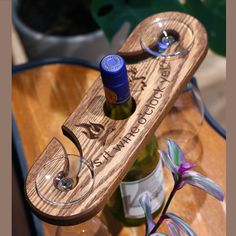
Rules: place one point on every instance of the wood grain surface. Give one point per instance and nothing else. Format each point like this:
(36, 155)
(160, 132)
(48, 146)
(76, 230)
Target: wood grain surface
(132, 49)
(39, 118)
(154, 94)
(40, 105)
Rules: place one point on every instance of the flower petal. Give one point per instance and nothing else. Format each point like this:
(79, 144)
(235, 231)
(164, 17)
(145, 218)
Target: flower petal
(181, 223)
(145, 202)
(169, 164)
(175, 153)
(185, 166)
(196, 179)
(175, 230)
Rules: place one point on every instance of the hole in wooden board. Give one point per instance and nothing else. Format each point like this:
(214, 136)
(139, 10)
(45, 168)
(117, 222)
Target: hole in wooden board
(120, 111)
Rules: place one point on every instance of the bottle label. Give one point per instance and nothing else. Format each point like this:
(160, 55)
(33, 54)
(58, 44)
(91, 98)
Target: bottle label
(153, 184)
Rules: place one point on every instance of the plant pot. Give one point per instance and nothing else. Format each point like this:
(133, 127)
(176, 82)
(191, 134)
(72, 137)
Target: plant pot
(91, 46)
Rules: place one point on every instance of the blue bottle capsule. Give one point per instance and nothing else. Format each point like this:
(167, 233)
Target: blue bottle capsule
(115, 79)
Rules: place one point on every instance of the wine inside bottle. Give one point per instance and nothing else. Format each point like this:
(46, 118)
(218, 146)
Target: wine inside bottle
(146, 173)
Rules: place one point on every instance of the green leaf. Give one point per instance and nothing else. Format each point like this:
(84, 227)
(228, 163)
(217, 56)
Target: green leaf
(181, 223)
(145, 202)
(174, 229)
(175, 153)
(169, 164)
(218, 6)
(196, 179)
(110, 15)
(212, 13)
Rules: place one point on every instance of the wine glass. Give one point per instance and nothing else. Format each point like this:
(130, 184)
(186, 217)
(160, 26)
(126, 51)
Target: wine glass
(185, 119)
(58, 183)
(92, 227)
(183, 123)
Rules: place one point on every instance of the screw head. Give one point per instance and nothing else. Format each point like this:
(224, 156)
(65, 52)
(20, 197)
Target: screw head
(65, 184)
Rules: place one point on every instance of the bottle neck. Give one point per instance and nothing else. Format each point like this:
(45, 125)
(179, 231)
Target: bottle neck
(119, 111)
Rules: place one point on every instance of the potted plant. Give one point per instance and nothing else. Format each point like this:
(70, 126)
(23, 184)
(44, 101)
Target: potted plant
(58, 28)
(72, 28)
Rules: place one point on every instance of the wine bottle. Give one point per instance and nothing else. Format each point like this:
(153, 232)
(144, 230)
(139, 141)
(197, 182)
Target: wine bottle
(146, 173)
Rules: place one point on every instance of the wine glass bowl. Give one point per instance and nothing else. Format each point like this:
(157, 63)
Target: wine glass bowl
(183, 123)
(92, 227)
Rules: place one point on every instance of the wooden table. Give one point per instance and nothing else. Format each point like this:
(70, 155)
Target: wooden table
(44, 96)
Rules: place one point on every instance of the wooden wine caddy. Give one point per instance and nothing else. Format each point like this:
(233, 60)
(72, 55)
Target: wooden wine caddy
(108, 146)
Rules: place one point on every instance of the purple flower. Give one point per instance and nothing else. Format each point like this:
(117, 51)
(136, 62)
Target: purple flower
(176, 162)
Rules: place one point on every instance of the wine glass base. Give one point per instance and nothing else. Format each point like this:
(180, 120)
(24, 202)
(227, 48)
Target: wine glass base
(45, 183)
